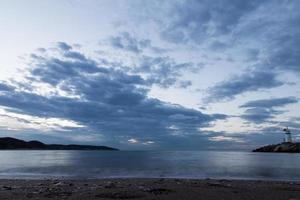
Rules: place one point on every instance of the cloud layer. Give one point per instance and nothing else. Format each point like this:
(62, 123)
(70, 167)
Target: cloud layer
(259, 111)
(264, 33)
(135, 64)
(101, 99)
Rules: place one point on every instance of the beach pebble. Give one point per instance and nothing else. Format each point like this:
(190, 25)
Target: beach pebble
(141, 187)
(216, 184)
(158, 191)
(110, 185)
(58, 183)
(7, 188)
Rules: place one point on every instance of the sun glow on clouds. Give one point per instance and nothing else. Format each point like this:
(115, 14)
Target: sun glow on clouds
(23, 122)
(232, 126)
(86, 138)
(135, 141)
(225, 139)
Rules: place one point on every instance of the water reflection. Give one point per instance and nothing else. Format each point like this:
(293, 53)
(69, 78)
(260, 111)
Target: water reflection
(184, 164)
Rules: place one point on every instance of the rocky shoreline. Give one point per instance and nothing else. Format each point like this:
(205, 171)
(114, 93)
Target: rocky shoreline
(148, 189)
(285, 147)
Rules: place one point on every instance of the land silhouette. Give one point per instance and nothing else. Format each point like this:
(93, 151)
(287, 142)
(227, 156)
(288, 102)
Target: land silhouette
(9, 143)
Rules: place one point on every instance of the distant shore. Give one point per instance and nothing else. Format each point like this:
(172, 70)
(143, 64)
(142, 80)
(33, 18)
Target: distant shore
(177, 189)
(9, 143)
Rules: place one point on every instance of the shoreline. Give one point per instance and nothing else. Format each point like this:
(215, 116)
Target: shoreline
(148, 188)
(71, 178)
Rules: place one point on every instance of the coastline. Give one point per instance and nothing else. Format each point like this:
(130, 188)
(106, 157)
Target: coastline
(158, 188)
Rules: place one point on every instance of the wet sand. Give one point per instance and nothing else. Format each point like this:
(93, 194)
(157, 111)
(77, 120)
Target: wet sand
(149, 189)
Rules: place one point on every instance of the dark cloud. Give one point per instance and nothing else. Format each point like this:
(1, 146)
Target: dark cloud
(55, 70)
(284, 54)
(127, 42)
(278, 36)
(64, 46)
(185, 84)
(74, 55)
(6, 87)
(103, 99)
(266, 32)
(218, 46)
(163, 71)
(270, 103)
(260, 115)
(252, 54)
(247, 82)
(194, 21)
(276, 33)
(260, 111)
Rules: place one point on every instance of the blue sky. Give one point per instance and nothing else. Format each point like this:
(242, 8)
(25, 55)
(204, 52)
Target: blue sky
(132, 74)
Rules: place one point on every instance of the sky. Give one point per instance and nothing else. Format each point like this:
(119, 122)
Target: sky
(148, 75)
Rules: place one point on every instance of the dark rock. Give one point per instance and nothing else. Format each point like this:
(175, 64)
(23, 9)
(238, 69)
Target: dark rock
(7, 187)
(59, 184)
(286, 147)
(110, 185)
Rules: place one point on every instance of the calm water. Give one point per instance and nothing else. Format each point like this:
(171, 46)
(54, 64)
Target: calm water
(181, 164)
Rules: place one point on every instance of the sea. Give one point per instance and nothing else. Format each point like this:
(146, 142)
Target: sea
(34, 164)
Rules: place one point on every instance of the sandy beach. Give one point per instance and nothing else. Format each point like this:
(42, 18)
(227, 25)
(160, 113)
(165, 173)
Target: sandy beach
(181, 189)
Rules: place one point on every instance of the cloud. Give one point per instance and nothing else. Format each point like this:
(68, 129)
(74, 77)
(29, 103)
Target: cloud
(285, 53)
(264, 33)
(163, 71)
(148, 142)
(185, 84)
(127, 42)
(133, 141)
(247, 82)
(271, 40)
(5, 87)
(260, 115)
(100, 99)
(260, 111)
(194, 21)
(62, 45)
(275, 35)
(109, 95)
(225, 138)
(270, 103)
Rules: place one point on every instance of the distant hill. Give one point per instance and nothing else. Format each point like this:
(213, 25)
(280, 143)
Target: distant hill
(285, 147)
(8, 143)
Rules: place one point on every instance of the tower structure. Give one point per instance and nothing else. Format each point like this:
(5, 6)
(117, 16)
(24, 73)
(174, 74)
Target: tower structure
(287, 135)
